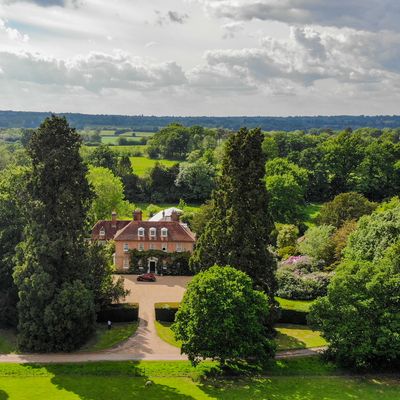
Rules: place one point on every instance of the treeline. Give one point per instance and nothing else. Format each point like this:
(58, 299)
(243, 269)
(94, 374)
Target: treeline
(21, 119)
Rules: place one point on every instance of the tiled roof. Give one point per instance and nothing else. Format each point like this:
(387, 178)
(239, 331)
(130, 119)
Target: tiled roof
(177, 232)
(110, 230)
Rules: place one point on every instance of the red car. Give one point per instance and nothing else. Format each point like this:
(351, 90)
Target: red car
(146, 278)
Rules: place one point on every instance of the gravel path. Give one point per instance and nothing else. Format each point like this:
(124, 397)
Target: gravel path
(145, 344)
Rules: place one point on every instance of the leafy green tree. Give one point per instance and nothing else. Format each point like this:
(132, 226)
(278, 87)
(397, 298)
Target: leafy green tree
(106, 290)
(124, 167)
(360, 315)
(238, 233)
(317, 243)
(344, 207)
(104, 157)
(283, 167)
(341, 236)
(196, 180)
(221, 317)
(286, 198)
(200, 218)
(109, 194)
(11, 233)
(287, 235)
(374, 234)
(56, 308)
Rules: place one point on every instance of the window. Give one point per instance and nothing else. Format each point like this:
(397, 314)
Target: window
(102, 233)
(126, 247)
(126, 263)
(164, 232)
(164, 247)
(153, 232)
(179, 247)
(152, 246)
(141, 246)
(141, 232)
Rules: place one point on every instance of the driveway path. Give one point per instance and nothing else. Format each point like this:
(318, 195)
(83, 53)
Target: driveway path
(145, 344)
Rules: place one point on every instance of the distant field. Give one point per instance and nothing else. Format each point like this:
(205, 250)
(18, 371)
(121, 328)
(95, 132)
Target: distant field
(142, 164)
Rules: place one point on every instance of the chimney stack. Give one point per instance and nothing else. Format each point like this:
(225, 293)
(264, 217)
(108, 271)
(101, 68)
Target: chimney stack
(137, 215)
(113, 219)
(175, 216)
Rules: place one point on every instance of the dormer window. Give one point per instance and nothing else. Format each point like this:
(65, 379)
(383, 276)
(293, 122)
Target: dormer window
(164, 232)
(102, 233)
(141, 232)
(153, 232)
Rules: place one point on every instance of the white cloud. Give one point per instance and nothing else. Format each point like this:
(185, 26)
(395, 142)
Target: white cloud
(371, 15)
(13, 34)
(231, 29)
(93, 72)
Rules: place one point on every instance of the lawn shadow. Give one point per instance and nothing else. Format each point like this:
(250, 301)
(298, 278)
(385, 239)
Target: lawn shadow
(3, 395)
(109, 381)
(287, 342)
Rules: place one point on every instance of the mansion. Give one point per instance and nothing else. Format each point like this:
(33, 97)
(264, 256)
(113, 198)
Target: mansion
(163, 232)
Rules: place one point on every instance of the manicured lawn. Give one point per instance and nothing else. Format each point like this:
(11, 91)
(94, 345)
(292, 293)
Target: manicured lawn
(166, 334)
(8, 342)
(300, 379)
(292, 336)
(105, 338)
(142, 164)
(311, 212)
(298, 305)
(289, 336)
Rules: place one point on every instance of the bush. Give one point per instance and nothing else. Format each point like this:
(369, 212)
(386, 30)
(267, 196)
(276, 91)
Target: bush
(165, 312)
(293, 317)
(124, 312)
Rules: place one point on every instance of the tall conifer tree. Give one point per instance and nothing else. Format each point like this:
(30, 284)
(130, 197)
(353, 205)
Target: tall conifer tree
(56, 309)
(238, 232)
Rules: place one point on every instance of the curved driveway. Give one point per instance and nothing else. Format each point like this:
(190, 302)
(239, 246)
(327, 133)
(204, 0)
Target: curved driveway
(145, 344)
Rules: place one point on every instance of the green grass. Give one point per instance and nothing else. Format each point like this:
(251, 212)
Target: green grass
(161, 206)
(142, 164)
(297, 337)
(105, 338)
(298, 305)
(8, 342)
(311, 212)
(166, 334)
(289, 337)
(299, 379)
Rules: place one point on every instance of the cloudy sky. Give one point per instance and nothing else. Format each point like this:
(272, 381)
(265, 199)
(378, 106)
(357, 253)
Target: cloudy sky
(201, 57)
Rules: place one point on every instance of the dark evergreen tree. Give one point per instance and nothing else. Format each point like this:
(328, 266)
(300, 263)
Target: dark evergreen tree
(238, 233)
(56, 308)
(11, 229)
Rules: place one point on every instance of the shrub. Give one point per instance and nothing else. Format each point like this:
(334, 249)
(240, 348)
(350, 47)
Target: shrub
(223, 318)
(166, 311)
(124, 312)
(344, 207)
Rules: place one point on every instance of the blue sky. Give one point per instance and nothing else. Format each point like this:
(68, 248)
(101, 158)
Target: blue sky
(201, 57)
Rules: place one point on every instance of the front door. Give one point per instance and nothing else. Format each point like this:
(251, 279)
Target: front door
(152, 267)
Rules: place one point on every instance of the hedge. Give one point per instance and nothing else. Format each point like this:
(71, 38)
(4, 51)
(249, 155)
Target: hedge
(165, 312)
(124, 312)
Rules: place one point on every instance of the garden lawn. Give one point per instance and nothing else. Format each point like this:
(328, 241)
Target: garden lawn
(142, 164)
(8, 342)
(296, 379)
(311, 212)
(292, 336)
(105, 338)
(164, 331)
(297, 305)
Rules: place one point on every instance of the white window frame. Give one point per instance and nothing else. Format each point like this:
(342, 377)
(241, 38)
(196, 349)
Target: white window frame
(179, 247)
(141, 246)
(140, 232)
(102, 233)
(164, 247)
(153, 233)
(152, 246)
(164, 232)
(126, 247)
(125, 263)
